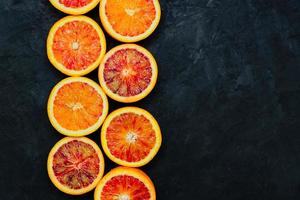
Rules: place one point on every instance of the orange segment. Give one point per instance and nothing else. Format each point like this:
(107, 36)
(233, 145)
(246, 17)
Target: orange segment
(74, 7)
(77, 106)
(130, 137)
(130, 20)
(75, 3)
(123, 183)
(76, 45)
(130, 17)
(133, 134)
(73, 110)
(128, 73)
(127, 187)
(75, 165)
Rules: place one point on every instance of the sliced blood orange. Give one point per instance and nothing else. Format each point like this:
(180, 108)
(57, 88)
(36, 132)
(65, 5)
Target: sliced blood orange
(77, 106)
(75, 165)
(130, 20)
(76, 45)
(125, 183)
(130, 136)
(75, 7)
(128, 73)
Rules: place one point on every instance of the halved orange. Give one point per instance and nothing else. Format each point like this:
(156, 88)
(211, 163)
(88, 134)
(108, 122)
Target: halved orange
(125, 183)
(128, 73)
(131, 137)
(75, 7)
(130, 20)
(77, 106)
(76, 45)
(75, 165)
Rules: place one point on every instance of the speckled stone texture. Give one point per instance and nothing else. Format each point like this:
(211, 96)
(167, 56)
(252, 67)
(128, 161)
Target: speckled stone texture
(227, 100)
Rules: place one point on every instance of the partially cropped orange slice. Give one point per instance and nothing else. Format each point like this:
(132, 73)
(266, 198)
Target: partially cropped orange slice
(128, 73)
(75, 7)
(75, 165)
(76, 45)
(130, 20)
(124, 183)
(77, 106)
(131, 137)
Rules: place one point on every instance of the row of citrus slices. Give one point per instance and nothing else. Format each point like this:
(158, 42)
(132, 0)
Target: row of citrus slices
(76, 46)
(124, 20)
(78, 106)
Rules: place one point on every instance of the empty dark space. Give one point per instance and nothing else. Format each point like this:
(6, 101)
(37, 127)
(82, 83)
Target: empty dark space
(227, 100)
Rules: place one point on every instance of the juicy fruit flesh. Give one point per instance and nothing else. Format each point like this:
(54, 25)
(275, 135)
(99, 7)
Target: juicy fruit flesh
(75, 3)
(76, 164)
(130, 137)
(76, 45)
(130, 17)
(124, 187)
(77, 106)
(127, 72)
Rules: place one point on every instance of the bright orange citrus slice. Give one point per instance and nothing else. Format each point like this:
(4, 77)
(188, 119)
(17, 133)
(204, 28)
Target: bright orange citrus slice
(75, 165)
(128, 73)
(76, 45)
(130, 20)
(77, 106)
(75, 7)
(131, 137)
(125, 183)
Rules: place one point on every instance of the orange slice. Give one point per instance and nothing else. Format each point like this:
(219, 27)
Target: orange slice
(124, 183)
(131, 137)
(76, 45)
(130, 20)
(77, 106)
(128, 73)
(75, 165)
(74, 7)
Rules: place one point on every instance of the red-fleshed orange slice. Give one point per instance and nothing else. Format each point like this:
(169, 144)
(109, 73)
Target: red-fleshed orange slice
(76, 45)
(131, 137)
(128, 73)
(75, 165)
(130, 20)
(74, 7)
(124, 183)
(77, 106)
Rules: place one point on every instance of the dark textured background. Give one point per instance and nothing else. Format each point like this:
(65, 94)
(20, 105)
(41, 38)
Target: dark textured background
(227, 100)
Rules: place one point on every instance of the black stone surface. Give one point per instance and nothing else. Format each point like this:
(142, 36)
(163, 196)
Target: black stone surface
(227, 100)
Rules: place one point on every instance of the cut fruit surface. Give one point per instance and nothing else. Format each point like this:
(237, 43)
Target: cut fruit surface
(130, 136)
(76, 45)
(74, 7)
(77, 106)
(75, 165)
(130, 20)
(128, 73)
(124, 183)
